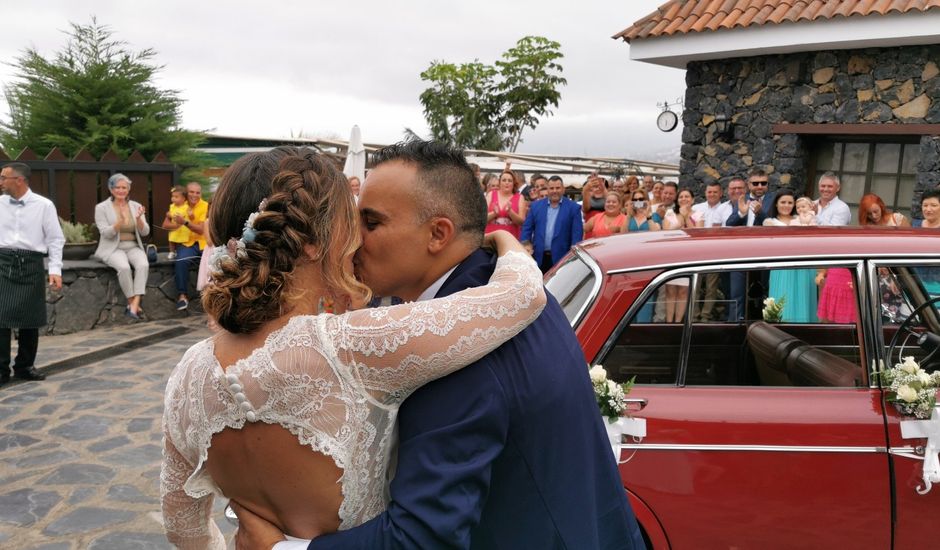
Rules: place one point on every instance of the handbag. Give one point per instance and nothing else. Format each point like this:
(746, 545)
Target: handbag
(152, 253)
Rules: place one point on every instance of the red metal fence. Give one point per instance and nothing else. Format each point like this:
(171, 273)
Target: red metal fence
(76, 185)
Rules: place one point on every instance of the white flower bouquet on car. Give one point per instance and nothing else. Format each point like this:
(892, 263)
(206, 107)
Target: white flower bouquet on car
(911, 389)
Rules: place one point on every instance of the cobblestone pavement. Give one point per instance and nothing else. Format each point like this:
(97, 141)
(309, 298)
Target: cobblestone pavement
(80, 452)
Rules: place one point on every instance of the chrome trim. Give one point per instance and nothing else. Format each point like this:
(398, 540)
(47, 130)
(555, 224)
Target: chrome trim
(853, 258)
(641, 401)
(595, 291)
(753, 448)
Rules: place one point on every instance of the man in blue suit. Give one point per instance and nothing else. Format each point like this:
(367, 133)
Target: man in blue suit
(552, 226)
(751, 210)
(508, 453)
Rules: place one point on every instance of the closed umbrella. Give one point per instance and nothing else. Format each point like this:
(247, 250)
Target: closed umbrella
(355, 156)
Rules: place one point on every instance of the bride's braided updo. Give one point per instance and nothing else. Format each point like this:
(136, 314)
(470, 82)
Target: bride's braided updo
(308, 202)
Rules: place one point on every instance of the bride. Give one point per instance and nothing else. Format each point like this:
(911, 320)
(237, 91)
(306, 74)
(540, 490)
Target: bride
(291, 413)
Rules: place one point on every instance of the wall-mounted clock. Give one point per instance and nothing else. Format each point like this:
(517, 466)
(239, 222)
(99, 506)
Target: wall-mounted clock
(667, 121)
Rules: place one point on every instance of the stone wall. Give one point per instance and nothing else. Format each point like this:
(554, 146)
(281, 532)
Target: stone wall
(872, 86)
(91, 297)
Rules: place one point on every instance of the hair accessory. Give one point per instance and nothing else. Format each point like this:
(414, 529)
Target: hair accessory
(235, 248)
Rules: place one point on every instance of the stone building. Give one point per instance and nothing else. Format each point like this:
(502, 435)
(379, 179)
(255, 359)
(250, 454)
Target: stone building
(799, 87)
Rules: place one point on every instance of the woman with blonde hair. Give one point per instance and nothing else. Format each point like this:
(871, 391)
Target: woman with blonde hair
(292, 413)
(505, 209)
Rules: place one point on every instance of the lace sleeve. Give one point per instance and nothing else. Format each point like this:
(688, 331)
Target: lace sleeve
(395, 350)
(186, 520)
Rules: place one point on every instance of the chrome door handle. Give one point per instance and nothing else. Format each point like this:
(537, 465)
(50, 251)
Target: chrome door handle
(636, 403)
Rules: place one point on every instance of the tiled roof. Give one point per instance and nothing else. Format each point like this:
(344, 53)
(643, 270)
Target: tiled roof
(687, 16)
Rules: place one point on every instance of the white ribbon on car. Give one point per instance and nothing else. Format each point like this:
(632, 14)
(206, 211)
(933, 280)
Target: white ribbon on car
(930, 429)
(625, 425)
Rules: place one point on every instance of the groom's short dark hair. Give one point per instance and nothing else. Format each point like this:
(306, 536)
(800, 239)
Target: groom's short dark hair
(446, 185)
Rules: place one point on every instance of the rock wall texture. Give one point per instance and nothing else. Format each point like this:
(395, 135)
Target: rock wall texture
(91, 297)
(872, 86)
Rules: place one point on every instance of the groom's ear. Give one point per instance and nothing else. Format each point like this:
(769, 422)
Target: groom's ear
(442, 234)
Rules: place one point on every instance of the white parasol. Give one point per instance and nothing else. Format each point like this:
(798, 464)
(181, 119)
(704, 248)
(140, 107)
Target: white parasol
(355, 156)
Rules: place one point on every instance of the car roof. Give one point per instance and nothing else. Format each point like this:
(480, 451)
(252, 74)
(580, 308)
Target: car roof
(652, 249)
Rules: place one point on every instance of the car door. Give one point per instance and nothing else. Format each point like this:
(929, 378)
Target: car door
(897, 288)
(734, 457)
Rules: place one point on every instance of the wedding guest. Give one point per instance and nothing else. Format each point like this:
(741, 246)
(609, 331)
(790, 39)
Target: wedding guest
(872, 211)
(611, 221)
(930, 210)
(639, 213)
(121, 224)
(552, 227)
(189, 253)
(805, 212)
(656, 193)
(593, 199)
(685, 214)
(179, 235)
(354, 185)
(781, 212)
(712, 212)
(632, 183)
(491, 182)
(796, 286)
(830, 210)
(505, 208)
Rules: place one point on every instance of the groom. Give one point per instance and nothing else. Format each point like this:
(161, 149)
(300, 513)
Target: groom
(509, 452)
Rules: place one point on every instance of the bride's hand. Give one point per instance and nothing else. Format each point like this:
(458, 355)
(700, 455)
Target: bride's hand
(503, 242)
(254, 531)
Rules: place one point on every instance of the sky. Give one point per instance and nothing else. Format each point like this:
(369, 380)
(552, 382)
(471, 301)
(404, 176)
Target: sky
(280, 68)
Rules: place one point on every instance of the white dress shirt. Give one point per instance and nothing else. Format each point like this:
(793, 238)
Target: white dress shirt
(834, 213)
(715, 216)
(32, 226)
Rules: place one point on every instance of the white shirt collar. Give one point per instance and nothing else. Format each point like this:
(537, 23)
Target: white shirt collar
(431, 291)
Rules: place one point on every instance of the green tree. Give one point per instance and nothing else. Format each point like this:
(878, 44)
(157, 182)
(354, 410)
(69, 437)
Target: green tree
(481, 106)
(95, 95)
(529, 88)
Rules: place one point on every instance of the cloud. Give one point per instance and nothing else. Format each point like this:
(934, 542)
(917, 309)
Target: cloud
(269, 68)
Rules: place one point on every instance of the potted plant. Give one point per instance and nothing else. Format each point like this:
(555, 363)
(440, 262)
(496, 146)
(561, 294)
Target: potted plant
(80, 240)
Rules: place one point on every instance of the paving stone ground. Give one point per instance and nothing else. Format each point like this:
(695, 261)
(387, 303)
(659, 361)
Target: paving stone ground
(80, 452)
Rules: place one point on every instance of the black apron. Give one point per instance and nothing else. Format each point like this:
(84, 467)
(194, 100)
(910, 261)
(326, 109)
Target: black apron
(22, 289)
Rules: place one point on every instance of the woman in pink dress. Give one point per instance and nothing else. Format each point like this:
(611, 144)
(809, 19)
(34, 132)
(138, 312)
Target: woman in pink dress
(611, 221)
(505, 208)
(837, 298)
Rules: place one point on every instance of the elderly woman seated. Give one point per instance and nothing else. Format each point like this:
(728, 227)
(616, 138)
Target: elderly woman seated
(121, 223)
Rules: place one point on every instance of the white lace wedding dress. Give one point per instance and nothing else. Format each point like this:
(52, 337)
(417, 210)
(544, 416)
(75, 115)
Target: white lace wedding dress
(336, 382)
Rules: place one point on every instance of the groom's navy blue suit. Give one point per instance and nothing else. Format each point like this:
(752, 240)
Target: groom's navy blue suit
(508, 453)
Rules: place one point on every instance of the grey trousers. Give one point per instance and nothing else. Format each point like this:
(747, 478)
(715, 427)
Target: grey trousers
(128, 255)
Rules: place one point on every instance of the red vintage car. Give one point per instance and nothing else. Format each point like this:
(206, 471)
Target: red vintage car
(764, 435)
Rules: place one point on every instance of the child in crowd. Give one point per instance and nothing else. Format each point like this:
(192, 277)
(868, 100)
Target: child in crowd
(806, 212)
(177, 206)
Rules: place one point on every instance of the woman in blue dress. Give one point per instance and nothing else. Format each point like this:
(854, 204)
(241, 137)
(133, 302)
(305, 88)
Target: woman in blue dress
(796, 286)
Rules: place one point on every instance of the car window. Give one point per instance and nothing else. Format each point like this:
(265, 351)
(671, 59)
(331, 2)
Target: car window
(806, 336)
(649, 347)
(902, 290)
(571, 284)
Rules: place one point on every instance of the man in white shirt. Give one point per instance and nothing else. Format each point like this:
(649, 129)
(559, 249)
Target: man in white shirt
(713, 213)
(830, 210)
(29, 230)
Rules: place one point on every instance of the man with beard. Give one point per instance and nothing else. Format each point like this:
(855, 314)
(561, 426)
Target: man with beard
(509, 452)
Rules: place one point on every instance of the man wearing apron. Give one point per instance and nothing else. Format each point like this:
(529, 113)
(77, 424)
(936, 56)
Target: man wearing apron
(29, 231)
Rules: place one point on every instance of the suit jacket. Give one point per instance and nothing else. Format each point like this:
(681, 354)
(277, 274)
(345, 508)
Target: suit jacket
(507, 453)
(105, 218)
(766, 205)
(568, 228)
